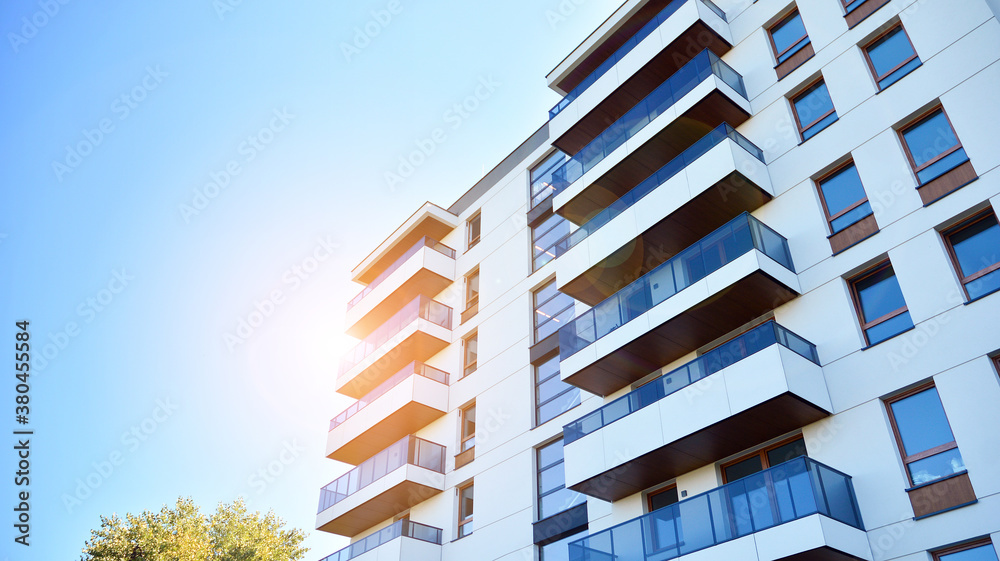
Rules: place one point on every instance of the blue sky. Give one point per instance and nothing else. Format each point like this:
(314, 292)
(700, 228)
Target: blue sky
(168, 169)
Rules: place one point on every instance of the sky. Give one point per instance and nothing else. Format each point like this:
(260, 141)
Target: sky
(186, 186)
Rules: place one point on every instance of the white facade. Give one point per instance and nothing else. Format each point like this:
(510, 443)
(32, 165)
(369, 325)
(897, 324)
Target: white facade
(829, 383)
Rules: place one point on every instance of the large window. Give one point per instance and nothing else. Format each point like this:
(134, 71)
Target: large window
(925, 441)
(844, 199)
(473, 230)
(544, 238)
(466, 503)
(979, 550)
(472, 290)
(763, 459)
(891, 56)
(975, 249)
(470, 353)
(542, 184)
(553, 496)
(880, 305)
(467, 420)
(932, 145)
(813, 109)
(552, 396)
(788, 36)
(553, 309)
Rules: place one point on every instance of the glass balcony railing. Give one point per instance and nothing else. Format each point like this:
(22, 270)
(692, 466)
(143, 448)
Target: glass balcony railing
(398, 529)
(716, 250)
(422, 243)
(697, 70)
(723, 356)
(412, 369)
(790, 491)
(408, 450)
(625, 49)
(420, 307)
(659, 177)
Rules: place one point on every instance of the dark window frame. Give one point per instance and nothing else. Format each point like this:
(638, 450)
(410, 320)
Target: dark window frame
(805, 90)
(907, 460)
(795, 45)
(822, 198)
(952, 230)
(898, 26)
(539, 469)
(762, 452)
(906, 147)
(665, 489)
(538, 382)
(856, 297)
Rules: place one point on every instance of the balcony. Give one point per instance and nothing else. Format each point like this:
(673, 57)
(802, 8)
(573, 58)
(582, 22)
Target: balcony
(735, 274)
(406, 540)
(402, 405)
(415, 333)
(426, 268)
(714, 180)
(429, 221)
(800, 509)
(656, 51)
(405, 474)
(753, 388)
(701, 95)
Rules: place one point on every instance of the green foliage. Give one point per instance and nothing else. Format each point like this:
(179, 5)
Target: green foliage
(182, 533)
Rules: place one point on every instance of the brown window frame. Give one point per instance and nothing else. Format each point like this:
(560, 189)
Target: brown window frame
(795, 112)
(464, 439)
(826, 211)
(469, 367)
(470, 241)
(770, 35)
(907, 460)
(461, 507)
(650, 495)
(984, 541)
(946, 235)
(473, 299)
(762, 453)
(853, 281)
(871, 66)
(916, 121)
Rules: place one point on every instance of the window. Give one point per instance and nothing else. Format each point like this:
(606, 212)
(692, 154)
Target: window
(553, 397)
(473, 227)
(471, 352)
(880, 305)
(553, 309)
(844, 199)
(465, 507)
(763, 459)
(974, 246)
(472, 289)
(542, 183)
(932, 146)
(924, 436)
(979, 550)
(850, 5)
(662, 498)
(891, 56)
(813, 110)
(544, 238)
(553, 496)
(467, 419)
(788, 36)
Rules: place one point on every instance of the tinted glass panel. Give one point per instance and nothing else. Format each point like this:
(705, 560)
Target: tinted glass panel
(663, 498)
(559, 550)
(879, 294)
(564, 402)
(550, 454)
(890, 51)
(921, 422)
(786, 452)
(857, 213)
(842, 189)
(977, 246)
(936, 466)
(742, 469)
(982, 553)
(984, 285)
(788, 32)
(889, 328)
(813, 104)
(930, 137)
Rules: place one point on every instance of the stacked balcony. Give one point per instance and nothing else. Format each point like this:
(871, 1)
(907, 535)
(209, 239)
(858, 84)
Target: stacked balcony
(418, 331)
(405, 474)
(405, 403)
(797, 510)
(401, 541)
(752, 388)
(730, 277)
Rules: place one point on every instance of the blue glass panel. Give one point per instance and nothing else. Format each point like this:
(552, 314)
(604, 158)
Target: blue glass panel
(889, 51)
(982, 553)
(812, 103)
(822, 124)
(889, 328)
(984, 285)
(977, 246)
(856, 214)
(921, 422)
(790, 31)
(879, 294)
(942, 166)
(899, 74)
(930, 137)
(842, 189)
(937, 466)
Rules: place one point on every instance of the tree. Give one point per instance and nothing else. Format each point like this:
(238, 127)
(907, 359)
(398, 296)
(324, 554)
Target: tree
(182, 533)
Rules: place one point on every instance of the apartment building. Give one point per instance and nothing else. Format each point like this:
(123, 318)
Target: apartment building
(735, 299)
